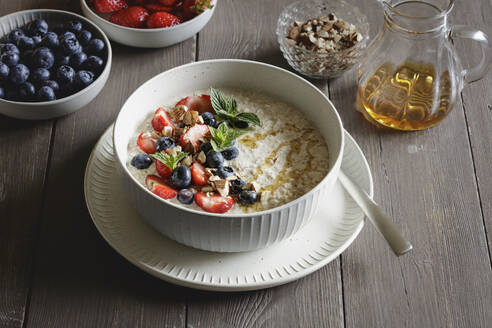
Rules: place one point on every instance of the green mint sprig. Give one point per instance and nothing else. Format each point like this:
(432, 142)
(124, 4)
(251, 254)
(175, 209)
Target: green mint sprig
(169, 160)
(226, 109)
(223, 136)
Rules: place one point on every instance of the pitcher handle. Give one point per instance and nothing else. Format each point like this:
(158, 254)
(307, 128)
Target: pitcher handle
(466, 32)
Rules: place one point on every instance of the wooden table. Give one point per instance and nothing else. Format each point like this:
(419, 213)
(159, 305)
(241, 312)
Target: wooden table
(57, 271)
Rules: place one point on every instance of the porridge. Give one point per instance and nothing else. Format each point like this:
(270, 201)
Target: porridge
(231, 151)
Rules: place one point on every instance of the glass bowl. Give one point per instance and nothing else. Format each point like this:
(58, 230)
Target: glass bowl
(310, 62)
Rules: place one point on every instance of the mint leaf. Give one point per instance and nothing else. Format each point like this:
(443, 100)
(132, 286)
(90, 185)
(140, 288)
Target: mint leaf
(215, 147)
(223, 105)
(168, 159)
(223, 136)
(249, 117)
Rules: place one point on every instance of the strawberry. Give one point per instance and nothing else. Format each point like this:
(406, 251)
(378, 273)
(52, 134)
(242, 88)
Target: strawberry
(168, 3)
(163, 170)
(193, 136)
(200, 103)
(159, 187)
(162, 19)
(192, 8)
(108, 6)
(161, 119)
(147, 143)
(157, 7)
(134, 16)
(198, 176)
(214, 203)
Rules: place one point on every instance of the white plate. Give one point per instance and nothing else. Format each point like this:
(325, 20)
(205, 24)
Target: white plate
(328, 234)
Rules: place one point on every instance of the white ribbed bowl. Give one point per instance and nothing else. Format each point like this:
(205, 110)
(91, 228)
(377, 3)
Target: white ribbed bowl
(228, 232)
(149, 38)
(63, 106)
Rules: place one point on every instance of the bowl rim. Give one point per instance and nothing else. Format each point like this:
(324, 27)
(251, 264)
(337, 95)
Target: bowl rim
(85, 6)
(107, 65)
(282, 39)
(226, 215)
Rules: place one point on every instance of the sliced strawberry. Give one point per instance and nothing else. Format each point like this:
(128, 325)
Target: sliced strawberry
(159, 187)
(146, 142)
(134, 16)
(108, 6)
(193, 136)
(162, 19)
(214, 203)
(163, 170)
(199, 103)
(168, 3)
(157, 7)
(198, 176)
(161, 119)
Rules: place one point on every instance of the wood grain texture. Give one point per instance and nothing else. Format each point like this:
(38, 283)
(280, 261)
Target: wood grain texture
(432, 196)
(314, 301)
(79, 280)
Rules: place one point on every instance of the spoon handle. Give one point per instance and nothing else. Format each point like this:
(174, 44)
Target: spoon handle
(396, 241)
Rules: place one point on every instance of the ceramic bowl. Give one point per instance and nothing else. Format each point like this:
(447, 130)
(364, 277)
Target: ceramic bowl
(227, 232)
(62, 106)
(149, 38)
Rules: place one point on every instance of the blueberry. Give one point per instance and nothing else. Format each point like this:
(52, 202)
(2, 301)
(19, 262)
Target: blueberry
(181, 177)
(10, 47)
(215, 159)
(43, 57)
(94, 63)
(76, 60)
(248, 197)
(50, 40)
(70, 45)
(95, 46)
(46, 94)
(241, 124)
(74, 26)
(15, 35)
(2, 93)
(19, 74)
(38, 27)
(224, 171)
(4, 71)
(206, 147)
(209, 119)
(25, 43)
(67, 35)
(62, 59)
(84, 37)
(185, 196)
(65, 74)
(27, 91)
(39, 75)
(83, 78)
(10, 58)
(141, 161)
(164, 143)
(237, 186)
(230, 153)
(52, 84)
(37, 39)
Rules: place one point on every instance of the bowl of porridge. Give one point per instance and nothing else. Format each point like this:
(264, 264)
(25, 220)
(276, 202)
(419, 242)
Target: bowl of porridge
(228, 155)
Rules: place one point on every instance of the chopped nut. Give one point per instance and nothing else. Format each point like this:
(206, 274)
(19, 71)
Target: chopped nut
(231, 177)
(189, 148)
(178, 131)
(209, 171)
(195, 117)
(214, 178)
(200, 120)
(294, 32)
(207, 189)
(178, 112)
(222, 186)
(167, 131)
(254, 186)
(188, 160)
(188, 118)
(202, 158)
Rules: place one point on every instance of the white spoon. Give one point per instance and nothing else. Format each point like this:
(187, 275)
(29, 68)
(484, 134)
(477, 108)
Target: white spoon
(396, 241)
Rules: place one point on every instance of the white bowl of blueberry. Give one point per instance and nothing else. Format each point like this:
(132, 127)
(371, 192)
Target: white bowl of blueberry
(52, 63)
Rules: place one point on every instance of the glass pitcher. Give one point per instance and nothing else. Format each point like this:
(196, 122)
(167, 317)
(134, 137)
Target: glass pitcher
(411, 77)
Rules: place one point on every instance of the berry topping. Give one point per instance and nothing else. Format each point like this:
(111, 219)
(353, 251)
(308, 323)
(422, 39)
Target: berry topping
(214, 203)
(141, 161)
(165, 143)
(181, 177)
(236, 186)
(209, 119)
(185, 196)
(215, 159)
(146, 143)
(159, 187)
(248, 197)
(108, 6)
(198, 175)
(206, 147)
(161, 119)
(230, 153)
(134, 16)
(162, 169)
(200, 103)
(191, 139)
(224, 171)
(162, 19)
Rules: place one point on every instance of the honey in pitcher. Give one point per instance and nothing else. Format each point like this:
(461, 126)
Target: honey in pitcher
(407, 97)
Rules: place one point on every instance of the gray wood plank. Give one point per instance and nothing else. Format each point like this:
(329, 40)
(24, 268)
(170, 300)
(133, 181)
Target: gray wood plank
(24, 148)
(79, 280)
(425, 181)
(246, 30)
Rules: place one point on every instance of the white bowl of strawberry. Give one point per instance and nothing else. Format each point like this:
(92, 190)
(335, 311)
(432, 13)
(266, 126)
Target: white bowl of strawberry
(149, 23)
(224, 155)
